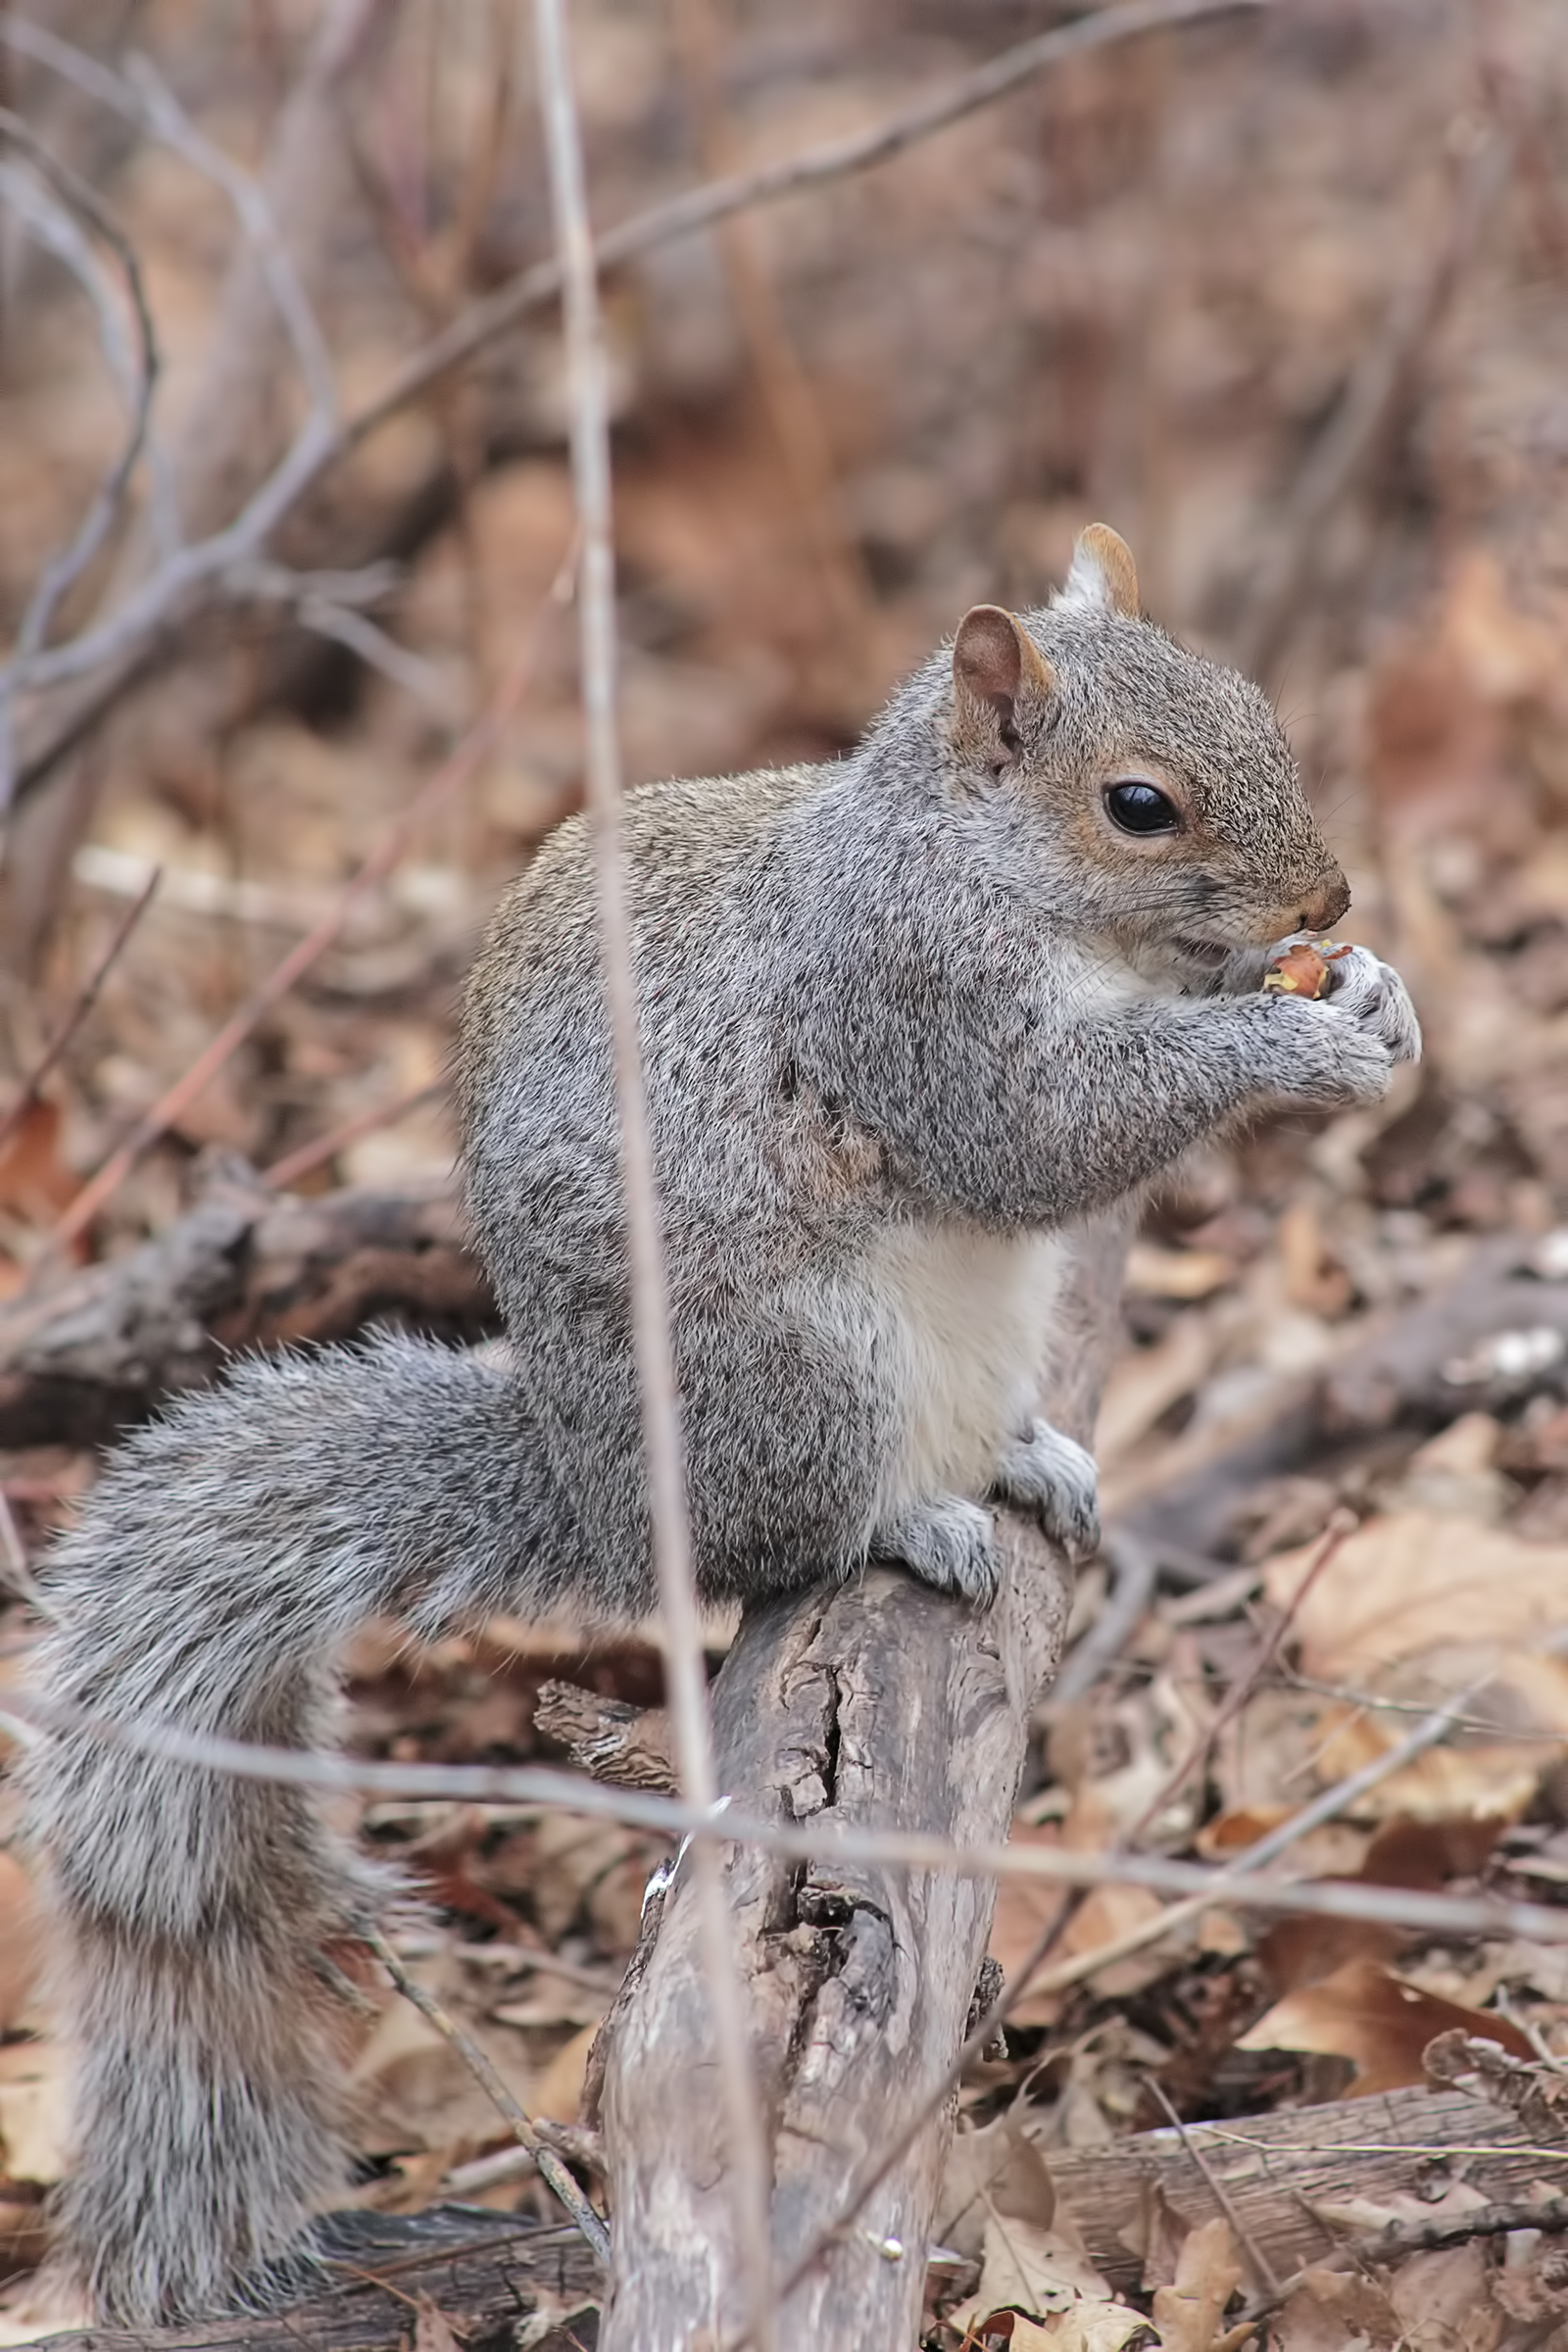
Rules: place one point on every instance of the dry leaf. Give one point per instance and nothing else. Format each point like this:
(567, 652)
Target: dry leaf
(558, 2093)
(1418, 1581)
(1030, 2269)
(1156, 1273)
(35, 1182)
(1188, 2314)
(1089, 2326)
(552, 2314)
(1327, 2310)
(1380, 2023)
(1442, 2301)
(1403, 1852)
(433, 2330)
(999, 2170)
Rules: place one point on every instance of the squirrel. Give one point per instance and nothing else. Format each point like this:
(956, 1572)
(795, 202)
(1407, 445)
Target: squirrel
(908, 1019)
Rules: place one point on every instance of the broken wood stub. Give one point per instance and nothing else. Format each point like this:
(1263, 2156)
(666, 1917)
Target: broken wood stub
(877, 1706)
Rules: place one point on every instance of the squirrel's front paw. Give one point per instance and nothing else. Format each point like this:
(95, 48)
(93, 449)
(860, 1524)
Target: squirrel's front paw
(1370, 993)
(1056, 1479)
(947, 1542)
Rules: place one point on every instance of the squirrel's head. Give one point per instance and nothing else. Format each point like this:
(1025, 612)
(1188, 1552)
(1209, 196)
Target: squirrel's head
(1150, 792)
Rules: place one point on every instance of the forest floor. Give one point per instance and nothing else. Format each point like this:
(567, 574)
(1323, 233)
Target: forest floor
(1334, 1452)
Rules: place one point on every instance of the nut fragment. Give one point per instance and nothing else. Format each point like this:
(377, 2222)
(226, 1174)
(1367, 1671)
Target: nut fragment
(1304, 969)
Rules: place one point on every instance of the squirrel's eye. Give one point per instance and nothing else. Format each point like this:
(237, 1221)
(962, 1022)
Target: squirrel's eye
(1139, 807)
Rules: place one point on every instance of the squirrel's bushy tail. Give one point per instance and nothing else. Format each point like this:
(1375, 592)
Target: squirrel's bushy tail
(228, 1550)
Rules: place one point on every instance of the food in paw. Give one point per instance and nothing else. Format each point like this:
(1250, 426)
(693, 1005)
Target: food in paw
(1305, 968)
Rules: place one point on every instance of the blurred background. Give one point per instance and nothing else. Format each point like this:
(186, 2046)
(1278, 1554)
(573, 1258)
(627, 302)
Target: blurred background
(1283, 300)
(1283, 296)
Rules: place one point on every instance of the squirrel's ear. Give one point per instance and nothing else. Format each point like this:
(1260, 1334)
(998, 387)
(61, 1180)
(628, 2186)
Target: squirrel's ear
(996, 666)
(1104, 577)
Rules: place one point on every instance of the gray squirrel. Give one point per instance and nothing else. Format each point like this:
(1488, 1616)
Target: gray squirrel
(908, 1018)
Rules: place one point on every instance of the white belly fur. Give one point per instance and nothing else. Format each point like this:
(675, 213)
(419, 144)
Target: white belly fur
(971, 1315)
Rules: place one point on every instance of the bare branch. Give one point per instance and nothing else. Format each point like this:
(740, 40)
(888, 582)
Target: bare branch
(1378, 384)
(519, 2120)
(26, 1716)
(836, 158)
(125, 642)
(588, 392)
(135, 375)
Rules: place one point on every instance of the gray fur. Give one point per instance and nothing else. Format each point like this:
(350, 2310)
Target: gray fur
(905, 1021)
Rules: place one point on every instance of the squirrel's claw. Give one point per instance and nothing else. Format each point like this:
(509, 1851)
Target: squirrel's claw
(1371, 993)
(945, 1542)
(1055, 1478)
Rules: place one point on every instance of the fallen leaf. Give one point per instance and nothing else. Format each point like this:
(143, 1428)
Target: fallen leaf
(996, 2168)
(1026, 2269)
(433, 2330)
(35, 1182)
(1402, 1853)
(1442, 2301)
(558, 2093)
(1416, 1580)
(1089, 2326)
(1156, 1273)
(1188, 2313)
(1383, 2024)
(1327, 2310)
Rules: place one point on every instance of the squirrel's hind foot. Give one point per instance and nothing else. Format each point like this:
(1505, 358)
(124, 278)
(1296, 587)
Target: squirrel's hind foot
(947, 1542)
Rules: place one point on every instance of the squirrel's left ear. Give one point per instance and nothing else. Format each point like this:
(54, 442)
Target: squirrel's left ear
(996, 667)
(1104, 577)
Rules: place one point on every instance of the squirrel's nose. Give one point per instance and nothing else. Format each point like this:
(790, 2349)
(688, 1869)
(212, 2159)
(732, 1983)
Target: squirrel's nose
(1326, 904)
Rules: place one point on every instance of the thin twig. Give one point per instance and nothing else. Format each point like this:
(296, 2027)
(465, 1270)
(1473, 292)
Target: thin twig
(685, 1666)
(1340, 1525)
(126, 639)
(454, 772)
(293, 1165)
(1398, 2238)
(87, 997)
(1262, 2268)
(814, 168)
(137, 380)
(519, 2120)
(1242, 1885)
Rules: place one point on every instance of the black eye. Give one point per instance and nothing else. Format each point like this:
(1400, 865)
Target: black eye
(1139, 807)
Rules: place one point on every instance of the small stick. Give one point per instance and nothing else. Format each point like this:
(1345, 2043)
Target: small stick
(1217, 2189)
(116, 650)
(1546, 2214)
(551, 2169)
(87, 997)
(1242, 1883)
(1342, 1524)
(297, 1163)
(652, 1335)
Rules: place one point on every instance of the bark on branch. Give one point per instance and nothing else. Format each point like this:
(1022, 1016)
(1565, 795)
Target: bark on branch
(877, 1706)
